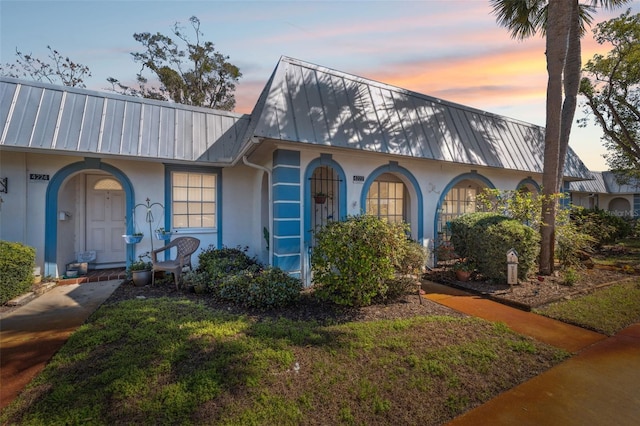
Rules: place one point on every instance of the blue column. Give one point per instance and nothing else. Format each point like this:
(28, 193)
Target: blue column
(287, 241)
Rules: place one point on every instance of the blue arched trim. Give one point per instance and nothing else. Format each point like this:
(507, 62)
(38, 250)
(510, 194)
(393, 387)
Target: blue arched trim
(51, 207)
(393, 167)
(529, 181)
(454, 182)
(324, 160)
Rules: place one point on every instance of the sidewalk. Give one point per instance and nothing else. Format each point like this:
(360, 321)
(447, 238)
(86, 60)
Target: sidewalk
(33, 333)
(598, 386)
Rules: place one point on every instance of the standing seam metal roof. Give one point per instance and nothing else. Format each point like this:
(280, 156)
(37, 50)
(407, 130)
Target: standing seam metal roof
(43, 116)
(307, 103)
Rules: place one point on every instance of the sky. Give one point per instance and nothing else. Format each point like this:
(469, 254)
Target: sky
(450, 49)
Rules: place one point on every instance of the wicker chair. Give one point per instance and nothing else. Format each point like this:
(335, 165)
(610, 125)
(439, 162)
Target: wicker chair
(185, 246)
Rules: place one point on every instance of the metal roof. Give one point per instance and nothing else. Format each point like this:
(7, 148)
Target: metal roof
(594, 185)
(307, 103)
(42, 116)
(607, 182)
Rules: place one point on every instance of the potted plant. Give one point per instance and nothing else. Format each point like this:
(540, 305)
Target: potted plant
(320, 197)
(463, 269)
(163, 234)
(133, 238)
(140, 270)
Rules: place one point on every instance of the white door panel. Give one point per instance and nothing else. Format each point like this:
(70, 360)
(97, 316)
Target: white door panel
(105, 222)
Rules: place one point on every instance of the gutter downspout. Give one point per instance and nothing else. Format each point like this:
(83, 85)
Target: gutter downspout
(270, 224)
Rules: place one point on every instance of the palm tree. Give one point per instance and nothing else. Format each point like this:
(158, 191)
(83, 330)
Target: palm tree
(562, 22)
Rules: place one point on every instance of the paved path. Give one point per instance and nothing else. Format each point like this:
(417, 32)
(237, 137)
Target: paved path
(33, 333)
(600, 385)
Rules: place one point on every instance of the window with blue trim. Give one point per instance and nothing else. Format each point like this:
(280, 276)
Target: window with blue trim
(386, 198)
(193, 199)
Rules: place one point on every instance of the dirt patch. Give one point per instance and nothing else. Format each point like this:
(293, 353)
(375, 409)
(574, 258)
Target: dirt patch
(536, 291)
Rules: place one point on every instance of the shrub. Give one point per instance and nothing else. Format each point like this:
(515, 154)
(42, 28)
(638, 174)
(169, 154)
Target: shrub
(354, 260)
(16, 269)
(602, 226)
(270, 288)
(219, 263)
(570, 242)
(485, 239)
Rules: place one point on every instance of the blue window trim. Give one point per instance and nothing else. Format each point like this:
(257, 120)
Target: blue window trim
(450, 185)
(323, 160)
(393, 167)
(51, 207)
(168, 186)
(528, 181)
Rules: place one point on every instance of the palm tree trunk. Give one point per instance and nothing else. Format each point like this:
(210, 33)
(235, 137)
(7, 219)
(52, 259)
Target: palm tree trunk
(558, 24)
(572, 76)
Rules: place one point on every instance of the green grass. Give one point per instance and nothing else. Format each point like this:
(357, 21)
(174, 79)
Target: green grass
(607, 310)
(173, 361)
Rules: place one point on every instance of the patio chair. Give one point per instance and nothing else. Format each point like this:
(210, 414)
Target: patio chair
(185, 246)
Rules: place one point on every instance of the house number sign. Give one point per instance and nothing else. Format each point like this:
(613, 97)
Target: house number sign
(37, 177)
(358, 179)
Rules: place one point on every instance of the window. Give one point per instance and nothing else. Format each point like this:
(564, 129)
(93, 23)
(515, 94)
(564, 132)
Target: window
(107, 184)
(193, 200)
(386, 198)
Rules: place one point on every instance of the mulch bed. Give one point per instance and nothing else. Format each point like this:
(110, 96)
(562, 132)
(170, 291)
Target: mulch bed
(535, 292)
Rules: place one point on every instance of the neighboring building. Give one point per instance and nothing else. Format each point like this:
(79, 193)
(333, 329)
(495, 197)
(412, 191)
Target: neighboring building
(604, 191)
(80, 165)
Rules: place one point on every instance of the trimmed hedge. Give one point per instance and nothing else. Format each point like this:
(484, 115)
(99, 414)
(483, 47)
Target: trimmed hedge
(356, 262)
(486, 237)
(16, 269)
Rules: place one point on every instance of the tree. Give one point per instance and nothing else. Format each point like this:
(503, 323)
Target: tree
(562, 22)
(194, 75)
(57, 69)
(612, 91)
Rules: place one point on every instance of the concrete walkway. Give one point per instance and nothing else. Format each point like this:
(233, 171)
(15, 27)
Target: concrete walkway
(32, 334)
(600, 385)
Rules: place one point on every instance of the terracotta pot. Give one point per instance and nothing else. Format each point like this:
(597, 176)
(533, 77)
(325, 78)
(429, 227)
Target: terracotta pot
(463, 275)
(320, 199)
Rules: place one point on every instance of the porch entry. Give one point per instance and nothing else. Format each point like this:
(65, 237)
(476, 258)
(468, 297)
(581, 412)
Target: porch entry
(105, 219)
(325, 193)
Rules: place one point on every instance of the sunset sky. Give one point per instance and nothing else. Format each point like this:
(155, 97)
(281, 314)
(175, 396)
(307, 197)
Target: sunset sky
(451, 49)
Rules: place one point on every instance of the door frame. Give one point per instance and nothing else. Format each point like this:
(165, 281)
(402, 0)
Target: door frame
(51, 207)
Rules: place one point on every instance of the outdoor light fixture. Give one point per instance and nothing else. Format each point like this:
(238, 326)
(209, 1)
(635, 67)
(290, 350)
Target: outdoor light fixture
(4, 185)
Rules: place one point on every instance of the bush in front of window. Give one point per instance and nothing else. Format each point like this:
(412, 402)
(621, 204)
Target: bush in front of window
(354, 261)
(16, 269)
(485, 238)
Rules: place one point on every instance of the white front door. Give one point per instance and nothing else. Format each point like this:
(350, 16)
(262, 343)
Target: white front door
(105, 220)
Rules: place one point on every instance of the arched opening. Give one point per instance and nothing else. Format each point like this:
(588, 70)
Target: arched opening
(86, 205)
(620, 207)
(458, 198)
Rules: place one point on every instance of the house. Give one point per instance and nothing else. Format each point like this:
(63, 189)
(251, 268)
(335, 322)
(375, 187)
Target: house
(82, 168)
(607, 192)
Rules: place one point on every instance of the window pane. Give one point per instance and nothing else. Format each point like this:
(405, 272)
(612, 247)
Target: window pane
(208, 194)
(180, 179)
(399, 209)
(384, 189)
(195, 194)
(209, 221)
(373, 190)
(180, 221)
(195, 180)
(195, 221)
(209, 181)
(180, 194)
(180, 208)
(208, 208)
(195, 208)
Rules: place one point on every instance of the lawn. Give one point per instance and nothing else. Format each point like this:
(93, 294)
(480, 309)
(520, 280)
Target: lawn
(178, 361)
(607, 310)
